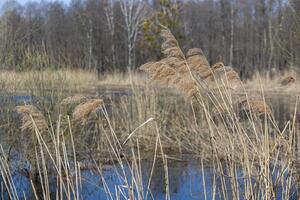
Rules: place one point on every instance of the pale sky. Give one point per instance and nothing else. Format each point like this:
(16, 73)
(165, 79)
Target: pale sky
(25, 1)
(22, 2)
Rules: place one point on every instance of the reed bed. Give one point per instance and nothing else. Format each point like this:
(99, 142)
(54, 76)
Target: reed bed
(208, 114)
(32, 82)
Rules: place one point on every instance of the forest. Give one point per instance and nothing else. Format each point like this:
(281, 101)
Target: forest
(120, 35)
(149, 100)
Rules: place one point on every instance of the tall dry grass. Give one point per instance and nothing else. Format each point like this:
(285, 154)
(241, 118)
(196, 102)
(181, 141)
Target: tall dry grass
(253, 143)
(64, 79)
(261, 161)
(55, 169)
(214, 117)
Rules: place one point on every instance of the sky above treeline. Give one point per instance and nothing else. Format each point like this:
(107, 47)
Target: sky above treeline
(26, 1)
(23, 2)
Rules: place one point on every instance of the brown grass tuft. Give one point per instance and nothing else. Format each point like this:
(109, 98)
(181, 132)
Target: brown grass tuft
(190, 88)
(170, 45)
(287, 81)
(165, 75)
(30, 116)
(226, 74)
(232, 75)
(257, 106)
(217, 65)
(172, 70)
(194, 52)
(198, 63)
(83, 111)
(73, 99)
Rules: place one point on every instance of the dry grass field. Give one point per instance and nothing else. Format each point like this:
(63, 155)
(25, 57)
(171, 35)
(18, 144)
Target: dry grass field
(85, 81)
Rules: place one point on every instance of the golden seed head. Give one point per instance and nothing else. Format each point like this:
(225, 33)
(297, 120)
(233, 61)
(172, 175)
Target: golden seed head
(31, 118)
(73, 99)
(194, 52)
(83, 111)
(217, 65)
(257, 106)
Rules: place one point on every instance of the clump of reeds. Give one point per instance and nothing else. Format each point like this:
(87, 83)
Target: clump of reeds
(75, 99)
(258, 107)
(287, 81)
(190, 74)
(83, 111)
(31, 118)
(198, 63)
(217, 65)
(172, 70)
(226, 74)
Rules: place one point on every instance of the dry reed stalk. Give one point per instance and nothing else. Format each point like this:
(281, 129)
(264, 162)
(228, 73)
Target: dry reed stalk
(222, 108)
(83, 111)
(73, 99)
(31, 117)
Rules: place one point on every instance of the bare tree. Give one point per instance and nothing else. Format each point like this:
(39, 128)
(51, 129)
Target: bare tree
(250, 35)
(231, 33)
(134, 13)
(109, 13)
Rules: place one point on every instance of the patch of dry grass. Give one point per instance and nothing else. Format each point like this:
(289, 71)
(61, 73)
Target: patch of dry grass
(49, 79)
(29, 82)
(83, 111)
(82, 80)
(32, 118)
(279, 82)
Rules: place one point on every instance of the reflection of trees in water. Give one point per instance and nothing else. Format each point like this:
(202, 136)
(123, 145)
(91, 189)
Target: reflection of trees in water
(176, 170)
(283, 108)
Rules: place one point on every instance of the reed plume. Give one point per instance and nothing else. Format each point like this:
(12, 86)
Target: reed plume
(198, 63)
(221, 71)
(287, 81)
(75, 99)
(31, 117)
(191, 74)
(83, 111)
(173, 70)
(217, 65)
(226, 74)
(258, 107)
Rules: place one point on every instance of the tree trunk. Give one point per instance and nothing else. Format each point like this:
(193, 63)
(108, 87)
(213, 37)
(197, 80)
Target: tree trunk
(231, 33)
(90, 44)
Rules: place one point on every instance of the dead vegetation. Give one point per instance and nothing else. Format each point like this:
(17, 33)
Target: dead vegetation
(289, 80)
(172, 70)
(73, 99)
(192, 75)
(83, 111)
(31, 118)
(209, 125)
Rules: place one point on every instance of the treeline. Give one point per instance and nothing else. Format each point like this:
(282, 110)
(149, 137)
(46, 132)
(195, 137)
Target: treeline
(109, 35)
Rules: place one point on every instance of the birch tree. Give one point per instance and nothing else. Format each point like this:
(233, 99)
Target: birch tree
(231, 33)
(133, 12)
(109, 13)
